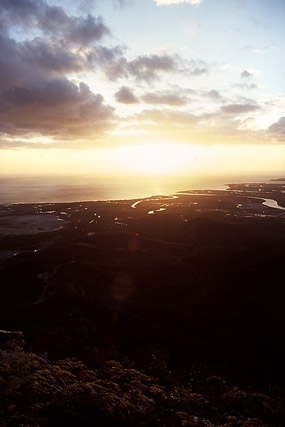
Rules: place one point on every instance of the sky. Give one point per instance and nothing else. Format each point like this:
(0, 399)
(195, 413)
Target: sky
(142, 87)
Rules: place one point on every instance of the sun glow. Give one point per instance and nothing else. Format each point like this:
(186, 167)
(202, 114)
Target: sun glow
(156, 158)
(148, 159)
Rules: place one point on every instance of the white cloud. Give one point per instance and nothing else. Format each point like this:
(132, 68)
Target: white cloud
(168, 2)
(253, 71)
(225, 67)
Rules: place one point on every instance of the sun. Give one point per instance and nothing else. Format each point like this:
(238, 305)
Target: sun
(155, 158)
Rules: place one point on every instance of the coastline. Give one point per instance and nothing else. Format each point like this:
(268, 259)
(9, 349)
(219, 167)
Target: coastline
(238, 201)
(72, 189)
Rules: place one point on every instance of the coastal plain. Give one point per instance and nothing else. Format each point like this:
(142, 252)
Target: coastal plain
(196, 275)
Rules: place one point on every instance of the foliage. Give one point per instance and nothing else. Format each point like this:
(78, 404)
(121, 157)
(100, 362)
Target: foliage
(35, 392)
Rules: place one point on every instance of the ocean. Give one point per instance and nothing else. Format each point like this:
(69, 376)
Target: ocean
(87, 188)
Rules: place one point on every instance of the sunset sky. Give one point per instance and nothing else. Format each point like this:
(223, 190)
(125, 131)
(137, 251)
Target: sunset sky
(141, 87)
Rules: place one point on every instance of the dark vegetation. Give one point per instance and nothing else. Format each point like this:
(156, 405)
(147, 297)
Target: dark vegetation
(170, 318)
(36, 392)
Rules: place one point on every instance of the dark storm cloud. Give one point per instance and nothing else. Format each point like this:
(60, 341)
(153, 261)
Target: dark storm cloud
(36, 96)
(38, 59)
(78, 31)
(47, 93)
(239, 108)
(96, 111)
(144, 68)
(22, 7)
(87, 30)
(110, 60)
(126, 96)
(115, 68)
(50, 56)
(167, 98)
(65, 45)
(12, 69)
(52, 20)
(18, 12)
(56, 107)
